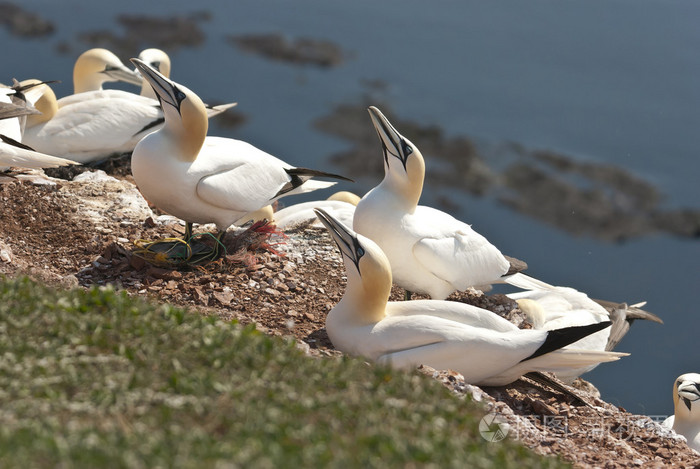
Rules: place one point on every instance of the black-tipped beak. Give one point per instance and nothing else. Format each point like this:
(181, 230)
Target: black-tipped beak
(689, 392)
(166, 90)
(344, 237)
(393, 143)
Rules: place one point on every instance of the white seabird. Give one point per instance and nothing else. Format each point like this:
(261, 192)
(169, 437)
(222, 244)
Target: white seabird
(93, 125)
(552, 307)
(686, 409)
(202, 179)
(91, 129)
(485, 348)
(429, 251)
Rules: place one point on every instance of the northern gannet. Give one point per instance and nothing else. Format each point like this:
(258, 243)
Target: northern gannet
(91, 129)
(430, 251)
(485, 348)
(686, 409)
(95, 124)
(552, 307)
(97, 66)
(202, 179)
(13, 153)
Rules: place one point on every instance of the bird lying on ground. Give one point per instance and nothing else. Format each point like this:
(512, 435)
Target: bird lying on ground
(482, 346)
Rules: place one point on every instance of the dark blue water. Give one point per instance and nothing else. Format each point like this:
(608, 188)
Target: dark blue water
(602, 81)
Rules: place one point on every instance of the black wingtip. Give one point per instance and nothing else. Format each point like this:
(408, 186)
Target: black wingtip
(309, 173)
(559, 338)
(15, 143)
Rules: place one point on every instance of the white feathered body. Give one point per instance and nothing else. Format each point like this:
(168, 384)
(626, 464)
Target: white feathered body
(429, 250)
(90, 128)
(485, 348)
(228, 179)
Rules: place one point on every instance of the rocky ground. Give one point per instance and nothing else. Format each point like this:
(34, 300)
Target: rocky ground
(82, 233)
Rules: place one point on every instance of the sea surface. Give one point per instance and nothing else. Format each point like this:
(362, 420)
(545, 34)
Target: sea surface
(613, 82)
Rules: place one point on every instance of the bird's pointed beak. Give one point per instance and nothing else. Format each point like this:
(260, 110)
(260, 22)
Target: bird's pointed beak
(165, 89)
(689, 392)
(10, 110)
(123, 74)
(345, 238)
(393, 143)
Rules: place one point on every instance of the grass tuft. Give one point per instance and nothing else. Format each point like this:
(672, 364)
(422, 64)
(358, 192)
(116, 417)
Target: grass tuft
(96, 378)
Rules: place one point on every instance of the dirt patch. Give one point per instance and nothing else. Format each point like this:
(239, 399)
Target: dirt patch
(81, 232)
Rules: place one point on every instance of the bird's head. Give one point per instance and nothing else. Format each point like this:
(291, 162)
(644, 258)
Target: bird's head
(185, 113)
(686, 397)
(404, 166)
(97, 66)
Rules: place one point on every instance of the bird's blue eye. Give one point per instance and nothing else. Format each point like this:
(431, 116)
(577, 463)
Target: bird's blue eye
(360, 252)
(179, 95)
(407, 149)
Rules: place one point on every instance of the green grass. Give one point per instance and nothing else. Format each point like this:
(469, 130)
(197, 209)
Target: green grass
(99, 379)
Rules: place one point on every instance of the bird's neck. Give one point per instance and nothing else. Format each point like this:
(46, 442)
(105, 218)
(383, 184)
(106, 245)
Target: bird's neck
(406, 183)
(82, 83)
(365, 302)
(188, 142)
(48, 107)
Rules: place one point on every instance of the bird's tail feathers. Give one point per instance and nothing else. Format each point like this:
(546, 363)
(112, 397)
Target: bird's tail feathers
(562, 361)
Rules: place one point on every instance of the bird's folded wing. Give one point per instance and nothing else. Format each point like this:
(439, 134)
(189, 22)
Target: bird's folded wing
(99, 124)
(462, 260)
(461, 313)
(244, 187)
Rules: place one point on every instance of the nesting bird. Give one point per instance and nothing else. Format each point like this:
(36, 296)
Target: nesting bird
(202, 179)
(92, 125)
(551, 307)
(429, 251)
(106, 122)
(686, 409)
(485, 348)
